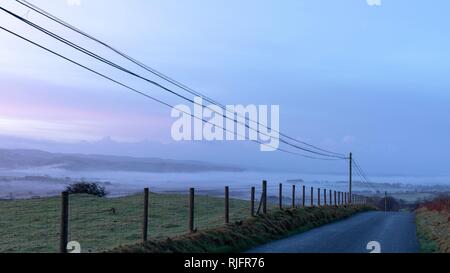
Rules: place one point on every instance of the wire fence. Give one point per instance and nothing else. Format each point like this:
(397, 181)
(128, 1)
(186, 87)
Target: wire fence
(96, 224)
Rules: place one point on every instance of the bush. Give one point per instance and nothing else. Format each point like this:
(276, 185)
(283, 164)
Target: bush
(392, 204)
(440, 203)
(87, 188)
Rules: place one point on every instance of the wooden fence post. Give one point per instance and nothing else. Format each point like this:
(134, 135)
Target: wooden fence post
(191, 209)
(335, 203)
(227, 205)
(145, 217)
(318, 197)
(325, 197)
(331, 200)
(312, 197)
(252, 202)
(265, 197)
(303, 196)
(339, 198)
(64, 232)
(293, 196)
(281, 196)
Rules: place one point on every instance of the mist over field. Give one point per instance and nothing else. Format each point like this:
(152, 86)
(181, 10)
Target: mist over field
(36, 173)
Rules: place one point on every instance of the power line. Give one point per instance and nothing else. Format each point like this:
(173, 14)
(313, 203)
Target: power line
(95, 56)
(142, 93)
(363, 176)
(172, 81)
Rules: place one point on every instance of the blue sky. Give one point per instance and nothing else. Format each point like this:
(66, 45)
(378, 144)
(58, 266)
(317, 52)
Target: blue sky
(347, 76)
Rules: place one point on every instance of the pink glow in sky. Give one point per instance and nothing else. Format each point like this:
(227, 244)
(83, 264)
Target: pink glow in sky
(39, 119)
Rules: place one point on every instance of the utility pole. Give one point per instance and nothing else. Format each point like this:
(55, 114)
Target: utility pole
(350, 179)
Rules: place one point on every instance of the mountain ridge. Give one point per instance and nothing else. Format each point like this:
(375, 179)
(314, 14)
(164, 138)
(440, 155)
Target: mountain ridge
(32, 158)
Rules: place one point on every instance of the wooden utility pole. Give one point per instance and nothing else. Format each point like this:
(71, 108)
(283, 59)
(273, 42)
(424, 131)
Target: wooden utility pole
(350, 179)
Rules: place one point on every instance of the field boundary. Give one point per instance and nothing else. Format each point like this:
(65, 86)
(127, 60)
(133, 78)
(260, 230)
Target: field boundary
(243, 235)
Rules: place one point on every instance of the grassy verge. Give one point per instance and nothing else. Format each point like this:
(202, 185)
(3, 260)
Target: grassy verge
(99, 224)
(243, 235)
(433, 230)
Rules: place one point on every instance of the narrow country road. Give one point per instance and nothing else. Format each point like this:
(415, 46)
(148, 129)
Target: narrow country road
(395, 232)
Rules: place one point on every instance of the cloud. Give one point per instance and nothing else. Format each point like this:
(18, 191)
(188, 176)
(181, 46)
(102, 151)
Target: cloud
(374, 2)
(349, 139)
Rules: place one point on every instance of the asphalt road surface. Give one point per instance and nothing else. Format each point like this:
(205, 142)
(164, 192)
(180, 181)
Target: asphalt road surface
(391, 232)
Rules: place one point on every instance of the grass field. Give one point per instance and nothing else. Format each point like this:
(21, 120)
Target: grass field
(100, 224)
(240, 236)
(433, 226)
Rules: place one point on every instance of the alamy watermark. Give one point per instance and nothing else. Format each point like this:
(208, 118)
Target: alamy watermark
(235, 123)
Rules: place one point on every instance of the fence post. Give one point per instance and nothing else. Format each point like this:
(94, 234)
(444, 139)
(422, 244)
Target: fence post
(265, 197)
(318, 197)
(325, 197)
(339, 198)
(64, 233)
(191, 209)
(335, 203)
(227, 205)
(385, 201)
(293, 196)
(252, 202)
(281, 196)
(145, 216)
(331, 200)
(312, 197)
(303, 196)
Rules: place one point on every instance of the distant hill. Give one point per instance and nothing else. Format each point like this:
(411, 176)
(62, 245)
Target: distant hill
(24, 159)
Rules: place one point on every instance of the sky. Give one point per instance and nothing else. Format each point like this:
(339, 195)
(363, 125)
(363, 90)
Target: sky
(347, 76)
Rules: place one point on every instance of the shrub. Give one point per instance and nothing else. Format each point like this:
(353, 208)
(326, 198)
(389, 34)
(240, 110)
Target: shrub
(440, 203)
(87, 188)
(392, 204)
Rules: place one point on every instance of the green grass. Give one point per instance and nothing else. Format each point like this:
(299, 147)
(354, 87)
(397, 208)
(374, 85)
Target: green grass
(242, 235)
(433, 231)
(33, 225)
